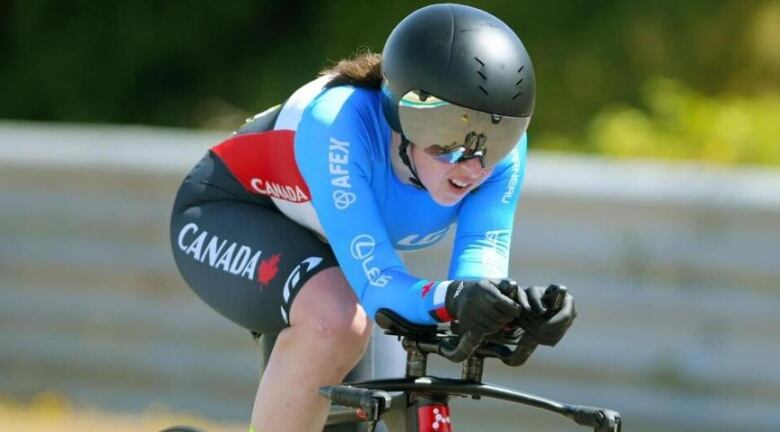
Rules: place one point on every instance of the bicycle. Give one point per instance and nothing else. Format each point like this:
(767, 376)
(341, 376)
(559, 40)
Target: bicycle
(420, 402)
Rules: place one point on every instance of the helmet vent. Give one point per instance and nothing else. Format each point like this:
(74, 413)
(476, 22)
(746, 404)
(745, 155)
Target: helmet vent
(481, 71)
(520, 81)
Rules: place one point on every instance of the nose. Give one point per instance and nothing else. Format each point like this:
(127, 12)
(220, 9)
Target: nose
(471, 167)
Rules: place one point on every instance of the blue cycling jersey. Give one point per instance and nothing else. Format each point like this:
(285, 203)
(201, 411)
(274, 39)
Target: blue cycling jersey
(342, 149)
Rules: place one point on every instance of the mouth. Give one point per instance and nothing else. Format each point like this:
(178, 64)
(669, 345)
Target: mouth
(459, 184)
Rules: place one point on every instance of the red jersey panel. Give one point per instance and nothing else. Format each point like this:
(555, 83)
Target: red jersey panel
(264, 163)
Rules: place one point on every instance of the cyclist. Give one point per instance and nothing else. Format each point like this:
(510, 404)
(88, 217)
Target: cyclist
(291, 227)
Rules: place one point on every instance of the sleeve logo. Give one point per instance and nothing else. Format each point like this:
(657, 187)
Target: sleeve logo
(362, 249)
(338, 160)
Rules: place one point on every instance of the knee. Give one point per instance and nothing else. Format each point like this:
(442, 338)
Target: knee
(327, 315)
(340, 336)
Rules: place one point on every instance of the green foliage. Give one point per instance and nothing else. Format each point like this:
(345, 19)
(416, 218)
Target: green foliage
(679, 123)
(674, 121)
(211, 64)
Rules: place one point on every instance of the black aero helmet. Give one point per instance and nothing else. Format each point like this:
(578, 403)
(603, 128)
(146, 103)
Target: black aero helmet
(458, 82)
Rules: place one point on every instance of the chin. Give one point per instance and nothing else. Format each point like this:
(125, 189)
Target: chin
(446, 200)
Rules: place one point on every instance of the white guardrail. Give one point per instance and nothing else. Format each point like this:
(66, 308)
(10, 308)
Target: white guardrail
(675, 267)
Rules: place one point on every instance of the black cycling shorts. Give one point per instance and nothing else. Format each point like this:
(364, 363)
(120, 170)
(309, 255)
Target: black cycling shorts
(238, 252)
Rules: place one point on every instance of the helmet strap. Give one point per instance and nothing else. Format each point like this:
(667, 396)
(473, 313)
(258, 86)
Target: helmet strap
(403, 151)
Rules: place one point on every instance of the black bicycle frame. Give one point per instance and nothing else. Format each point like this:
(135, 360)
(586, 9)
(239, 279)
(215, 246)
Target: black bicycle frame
(425, 398)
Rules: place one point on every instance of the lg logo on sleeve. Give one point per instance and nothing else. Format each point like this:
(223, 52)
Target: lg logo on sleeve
(362, 249)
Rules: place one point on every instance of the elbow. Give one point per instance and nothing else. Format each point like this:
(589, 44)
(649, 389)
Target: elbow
(371, 308)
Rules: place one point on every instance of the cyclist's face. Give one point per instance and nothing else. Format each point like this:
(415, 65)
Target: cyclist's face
(448, 183)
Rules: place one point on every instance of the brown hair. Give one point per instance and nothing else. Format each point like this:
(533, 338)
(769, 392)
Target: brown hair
(362, 69)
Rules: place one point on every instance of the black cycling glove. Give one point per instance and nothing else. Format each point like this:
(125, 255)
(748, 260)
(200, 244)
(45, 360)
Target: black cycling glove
(545, 328)
(485, 306)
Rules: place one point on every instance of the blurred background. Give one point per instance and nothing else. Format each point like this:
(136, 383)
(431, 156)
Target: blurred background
(652, 191)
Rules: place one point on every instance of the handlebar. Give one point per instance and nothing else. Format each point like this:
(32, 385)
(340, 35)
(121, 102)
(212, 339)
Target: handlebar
(513, 346)
(458, 347)
(469, 343)
(553, 299)
(359, 395)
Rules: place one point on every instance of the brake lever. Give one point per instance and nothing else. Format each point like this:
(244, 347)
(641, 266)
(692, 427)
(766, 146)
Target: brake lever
(600, 419)
(609, 421)
(371, 404)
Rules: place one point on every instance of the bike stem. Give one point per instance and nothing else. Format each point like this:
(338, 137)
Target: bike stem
(417, 362)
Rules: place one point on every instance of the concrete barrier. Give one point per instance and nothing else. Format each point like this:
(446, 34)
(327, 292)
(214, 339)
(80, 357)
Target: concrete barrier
(675, 268)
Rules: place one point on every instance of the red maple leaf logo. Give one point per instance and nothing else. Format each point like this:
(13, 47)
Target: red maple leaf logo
(268, 269)
(426, 289)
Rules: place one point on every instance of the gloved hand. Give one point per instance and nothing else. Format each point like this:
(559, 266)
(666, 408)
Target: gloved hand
(484, 307)
(546, 327)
